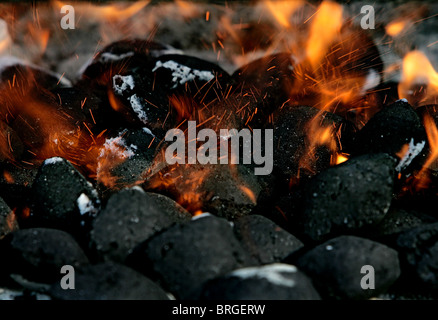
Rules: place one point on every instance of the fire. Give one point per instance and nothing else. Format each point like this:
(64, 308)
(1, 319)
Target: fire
(112, 12)
(396, 27)
(249, 193)
(432, 136)
(326, 26)
(282, 10)
(417, 70)
(341, 157)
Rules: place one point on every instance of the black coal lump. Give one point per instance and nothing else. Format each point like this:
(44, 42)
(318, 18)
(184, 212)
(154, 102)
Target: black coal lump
(269, 78)
(8, 220)
(184, 257)
(395, 126)
(276, 281)
(418, 250)
(264, 240)
(63, 198)
(349, 197)
(189, 76)
(130, 217)
(109, 281)
(126, 157)
(38, 254)
(122, 55)
(336, 267)
(292, 134)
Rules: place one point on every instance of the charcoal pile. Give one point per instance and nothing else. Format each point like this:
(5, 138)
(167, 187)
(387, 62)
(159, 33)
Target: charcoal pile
(158, 175)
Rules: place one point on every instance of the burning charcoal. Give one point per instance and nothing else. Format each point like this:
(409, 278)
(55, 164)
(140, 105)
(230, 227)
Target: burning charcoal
(396, 130)
(268, 79)
(419, 256)
(349, 197)
(122, 55)
(264, 240)
(126, 158)
(109, 281)
(63, 197)
(84, 106)
(276, 281)
(185, 75)
(8, 220)
(134, 96)
(336, 267)
(296, 145)
(186, 256)
(38, 254)
(11, 146)
(130, 217)
(223, 190)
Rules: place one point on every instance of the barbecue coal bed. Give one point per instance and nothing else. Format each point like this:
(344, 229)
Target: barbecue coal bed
(193, 150)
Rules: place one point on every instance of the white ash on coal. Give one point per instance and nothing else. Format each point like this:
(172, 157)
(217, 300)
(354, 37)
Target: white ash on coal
(130, 217)
(109, 281)
(276, 281)
(184, 257)
(335, 267)
(63, 198)
(396, 130)
(126, 158)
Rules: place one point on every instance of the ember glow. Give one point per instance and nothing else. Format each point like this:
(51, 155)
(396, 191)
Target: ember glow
(334, 66)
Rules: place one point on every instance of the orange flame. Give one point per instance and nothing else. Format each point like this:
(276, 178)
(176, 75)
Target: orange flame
(325, 27)
(282, 10)
(396, 27)
(417, 70)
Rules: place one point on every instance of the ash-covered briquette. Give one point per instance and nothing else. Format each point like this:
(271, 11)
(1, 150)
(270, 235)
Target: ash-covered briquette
(276, 281)
(130, 217)
(267, 81)
(109, 281)
(264, 240)
(63, 198)
(121, 76)
(396, 129)
(418, 250)
(336, 267)
(8, 219)
(349, 197)
(189, 76)
(121, 55)
(292, 136)
(37, 254)
(126, 157)
(185, 256)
